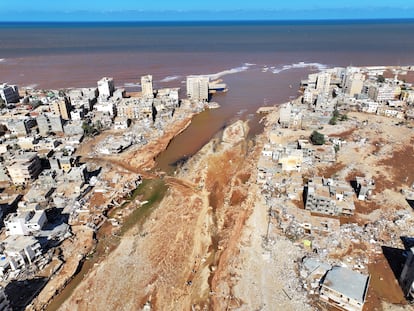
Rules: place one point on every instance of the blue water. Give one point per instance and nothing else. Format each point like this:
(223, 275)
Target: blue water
(376, 36)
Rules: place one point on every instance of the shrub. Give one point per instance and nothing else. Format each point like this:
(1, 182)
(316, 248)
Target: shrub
(317, 138)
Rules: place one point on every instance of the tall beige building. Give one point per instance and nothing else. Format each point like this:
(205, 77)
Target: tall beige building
(197, 87)
(354, 84)
(61, 108)
(146, 86)
(24, 168)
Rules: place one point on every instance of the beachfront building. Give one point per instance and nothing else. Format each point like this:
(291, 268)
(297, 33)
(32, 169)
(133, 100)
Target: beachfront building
(24, 168)
(197, 88)
(323, 83)
(310, 95)
(9, 93)
(146, 86)
(106, 87)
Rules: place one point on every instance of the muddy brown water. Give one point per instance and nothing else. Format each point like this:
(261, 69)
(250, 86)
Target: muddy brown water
(245, 96)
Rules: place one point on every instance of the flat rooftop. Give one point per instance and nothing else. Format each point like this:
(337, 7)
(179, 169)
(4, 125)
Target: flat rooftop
(347, 282)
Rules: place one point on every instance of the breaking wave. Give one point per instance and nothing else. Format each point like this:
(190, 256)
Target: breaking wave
(2, 60)
(317, 66)
(170, 78)
(132, 84)
(31, 86)
(215, 76)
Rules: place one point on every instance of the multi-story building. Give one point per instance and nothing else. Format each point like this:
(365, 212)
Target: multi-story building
(323, 84)
(330, 197)
(344, 289)
(354, 84)
(24, 168)
(9, 93)
(369, 106)
(407, 96)
(61, 107)
(133, 108)
(20, 127)
(197, 88)
(106, 107)
(48, 122)
(18, 252)
(383, 92)
(146, 86)
(25, 223)
(3, 174)
(106, 87)
(310, 95)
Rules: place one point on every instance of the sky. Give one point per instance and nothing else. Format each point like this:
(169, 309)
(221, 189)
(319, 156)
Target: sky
(164, 10)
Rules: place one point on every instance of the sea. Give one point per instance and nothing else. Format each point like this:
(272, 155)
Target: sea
(261, 62)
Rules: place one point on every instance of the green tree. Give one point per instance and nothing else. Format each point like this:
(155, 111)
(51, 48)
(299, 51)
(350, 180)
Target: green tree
(89, 129)
(317, 138)
(332, 121)
(344, 117)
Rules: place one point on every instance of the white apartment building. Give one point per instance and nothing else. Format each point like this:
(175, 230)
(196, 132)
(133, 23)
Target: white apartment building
(197, 88)
(25, 223)
(146, 86)
(323, 83)
(106, 87)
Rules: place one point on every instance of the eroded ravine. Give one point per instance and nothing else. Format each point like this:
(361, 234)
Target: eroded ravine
(176, 260)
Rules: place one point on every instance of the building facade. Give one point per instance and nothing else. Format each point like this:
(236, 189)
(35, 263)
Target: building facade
(61, 108)
(106, 87)
(48, 123)
(329, 197)
(146, 86)
(9, 93)
(344, 289)
(24, 168)
(197, 88)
